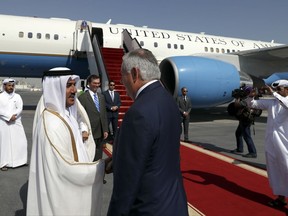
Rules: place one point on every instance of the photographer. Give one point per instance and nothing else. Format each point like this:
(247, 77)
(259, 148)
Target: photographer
(246, 117)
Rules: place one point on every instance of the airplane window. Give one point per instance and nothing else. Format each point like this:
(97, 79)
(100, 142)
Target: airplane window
(30, 34)
(222, 50)
(47, 36)
(181, 46)
(141, 43)
(21, 34)
(211, 49)
(169, 46)
(228, 51)
(175, 46)
(56, 36)
(38, 35)
(206, 49)
(155, 44)
(217, 50)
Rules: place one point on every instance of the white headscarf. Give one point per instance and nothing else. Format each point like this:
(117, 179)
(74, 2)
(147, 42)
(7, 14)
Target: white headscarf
(5, 81)
(279, 83)
(8, 80)
(54, 91)
(54, 98)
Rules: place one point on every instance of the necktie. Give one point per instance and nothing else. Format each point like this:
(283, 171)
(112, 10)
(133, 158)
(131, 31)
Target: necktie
(96, 101)
(112, 95)
(185, 100)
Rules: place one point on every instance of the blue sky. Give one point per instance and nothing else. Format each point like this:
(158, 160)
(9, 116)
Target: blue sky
(264, 20)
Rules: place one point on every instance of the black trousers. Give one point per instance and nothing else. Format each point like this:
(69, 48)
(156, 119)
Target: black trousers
(99, 149)
(114, 123)
(185, 122)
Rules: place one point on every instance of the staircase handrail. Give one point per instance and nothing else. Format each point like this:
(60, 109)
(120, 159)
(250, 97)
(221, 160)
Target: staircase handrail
(129, 43)
(99, 61)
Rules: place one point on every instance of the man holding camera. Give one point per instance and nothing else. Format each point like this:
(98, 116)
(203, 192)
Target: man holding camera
(245, 117)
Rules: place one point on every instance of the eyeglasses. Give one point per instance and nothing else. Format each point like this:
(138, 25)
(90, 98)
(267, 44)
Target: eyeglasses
(185, 91)
(112, 84)
(279, 88)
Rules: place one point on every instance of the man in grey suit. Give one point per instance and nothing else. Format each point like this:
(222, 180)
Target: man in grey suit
(95, 106)
(185, 105)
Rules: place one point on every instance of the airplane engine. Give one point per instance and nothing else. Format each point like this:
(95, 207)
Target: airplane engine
(209, 82)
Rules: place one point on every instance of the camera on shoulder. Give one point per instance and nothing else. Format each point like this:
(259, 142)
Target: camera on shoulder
(239, 108)
(241, 92)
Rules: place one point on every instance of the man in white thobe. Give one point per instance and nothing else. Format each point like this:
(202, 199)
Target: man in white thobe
(63, 180)
(276, 138)
(13, 142)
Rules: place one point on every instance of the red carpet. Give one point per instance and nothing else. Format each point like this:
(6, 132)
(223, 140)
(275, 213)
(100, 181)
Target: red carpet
(216, 187)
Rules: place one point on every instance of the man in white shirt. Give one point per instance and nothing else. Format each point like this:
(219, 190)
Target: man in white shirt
(276, 142)
(63, 180)
(13, 142)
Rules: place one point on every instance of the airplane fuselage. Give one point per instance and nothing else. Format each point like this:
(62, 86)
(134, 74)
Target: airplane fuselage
(29, 45)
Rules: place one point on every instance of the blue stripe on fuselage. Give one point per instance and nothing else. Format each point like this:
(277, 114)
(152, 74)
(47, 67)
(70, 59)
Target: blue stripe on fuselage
(33, 65)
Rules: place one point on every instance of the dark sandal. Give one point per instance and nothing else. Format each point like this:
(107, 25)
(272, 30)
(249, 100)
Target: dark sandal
(277, 203)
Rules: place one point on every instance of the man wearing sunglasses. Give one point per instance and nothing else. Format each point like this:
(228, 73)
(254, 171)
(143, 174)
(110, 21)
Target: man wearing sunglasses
(185, 105)
(276, 138)
(113, 103)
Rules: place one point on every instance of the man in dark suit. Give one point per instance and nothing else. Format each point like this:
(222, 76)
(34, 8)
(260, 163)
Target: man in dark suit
(94, 104)
(185, 105)
(113, 102)
(146, 160)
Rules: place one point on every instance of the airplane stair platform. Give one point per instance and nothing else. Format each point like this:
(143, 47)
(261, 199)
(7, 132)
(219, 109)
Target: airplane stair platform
(113, 59)
(104, 62)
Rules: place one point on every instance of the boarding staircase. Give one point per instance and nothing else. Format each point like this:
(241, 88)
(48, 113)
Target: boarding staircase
(105, 62)
(112, 61)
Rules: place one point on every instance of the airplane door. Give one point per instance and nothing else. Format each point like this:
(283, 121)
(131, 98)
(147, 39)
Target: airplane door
(81, 32)
(99, 35)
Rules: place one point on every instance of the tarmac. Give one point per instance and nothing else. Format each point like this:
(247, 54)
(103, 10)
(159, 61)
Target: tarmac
(212, 129)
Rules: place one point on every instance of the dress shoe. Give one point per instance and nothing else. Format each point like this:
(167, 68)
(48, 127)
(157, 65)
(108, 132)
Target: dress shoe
(236, 151)
(277, 203)
(4, 168)
(250, 155)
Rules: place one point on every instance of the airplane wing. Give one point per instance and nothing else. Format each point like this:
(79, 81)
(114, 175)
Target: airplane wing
(262, 63)
(271, 53)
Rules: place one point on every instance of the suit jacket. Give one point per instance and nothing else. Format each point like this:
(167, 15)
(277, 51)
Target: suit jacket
(98, 120)
(184, 106)
(146, 161)
(110, 103)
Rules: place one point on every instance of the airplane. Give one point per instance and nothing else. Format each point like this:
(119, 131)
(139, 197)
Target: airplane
(210, 66)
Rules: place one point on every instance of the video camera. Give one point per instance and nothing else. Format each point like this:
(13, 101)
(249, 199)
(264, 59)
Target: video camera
(241, 92)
